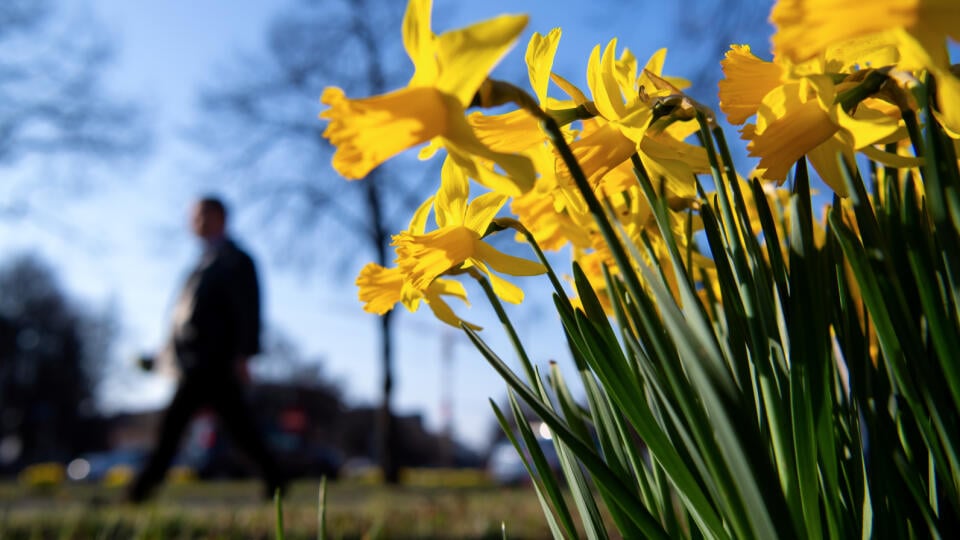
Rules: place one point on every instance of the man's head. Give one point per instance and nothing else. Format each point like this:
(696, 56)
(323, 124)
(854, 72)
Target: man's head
(209, 218)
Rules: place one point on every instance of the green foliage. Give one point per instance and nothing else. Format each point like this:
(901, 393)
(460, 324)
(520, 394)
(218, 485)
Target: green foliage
(813, 391)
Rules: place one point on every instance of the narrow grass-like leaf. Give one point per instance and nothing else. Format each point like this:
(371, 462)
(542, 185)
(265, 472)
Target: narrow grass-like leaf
(702, 360)
(322, 510)
(547, 502)
(624, 496)
(278, 506)
(579, 487)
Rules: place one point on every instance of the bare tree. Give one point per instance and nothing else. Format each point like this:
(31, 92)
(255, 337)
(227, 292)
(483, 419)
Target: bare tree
(53, 104)
(261, 120)
(52, 354)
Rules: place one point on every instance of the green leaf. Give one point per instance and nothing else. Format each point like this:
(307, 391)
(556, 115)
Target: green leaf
(549, 501)
(623, 495)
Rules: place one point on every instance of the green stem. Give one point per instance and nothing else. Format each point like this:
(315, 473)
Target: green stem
(507, 325)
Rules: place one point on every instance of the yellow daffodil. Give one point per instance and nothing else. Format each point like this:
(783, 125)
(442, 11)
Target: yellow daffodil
(806, 28)
(448, 70)
(622, 125)
(383, 288)
(800, 116)
(518, 130)
(918, 29)
(554, 211)
(457, 244)
(916, 56)
(746, 80)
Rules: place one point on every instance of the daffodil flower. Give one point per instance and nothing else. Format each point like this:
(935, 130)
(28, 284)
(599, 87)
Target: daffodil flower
(807, 28)
(800, 116)
(518, 130)
(622, 125)
(919, 29)
(554, 211)
(381, 289)
(448, 70)
(457, 244)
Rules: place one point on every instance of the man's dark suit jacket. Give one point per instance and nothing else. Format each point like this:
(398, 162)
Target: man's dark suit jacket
(217, 317)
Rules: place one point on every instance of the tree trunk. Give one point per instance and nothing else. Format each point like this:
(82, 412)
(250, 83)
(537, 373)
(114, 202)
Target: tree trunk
(386, 426)
(386, 429)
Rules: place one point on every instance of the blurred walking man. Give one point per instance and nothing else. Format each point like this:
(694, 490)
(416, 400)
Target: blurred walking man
(216, 328)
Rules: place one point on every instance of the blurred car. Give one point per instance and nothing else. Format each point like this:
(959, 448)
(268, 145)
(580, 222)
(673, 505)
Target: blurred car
(97, 466)
(119, 466)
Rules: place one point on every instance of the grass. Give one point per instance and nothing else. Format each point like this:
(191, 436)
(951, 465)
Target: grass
(235, 510)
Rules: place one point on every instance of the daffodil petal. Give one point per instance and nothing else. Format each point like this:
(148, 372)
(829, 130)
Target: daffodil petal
(442, 311)
(507, 264)
(451, 204)
(506, 291)
(575, 93)
(603, 83)
(482, 210)
(418, 40)
(625, 71)
(540, 53)
(868, 126)
(825, 159)
(379, 288)
(890, 159)
(366, 132)
(467, 56)
(948, 101)
(512, 132)
(747, 79)
(448, 287)
(418, 223)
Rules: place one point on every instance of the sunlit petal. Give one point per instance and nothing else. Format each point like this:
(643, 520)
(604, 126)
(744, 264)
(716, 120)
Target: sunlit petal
(512, 132)
(452, 196)
(506, 291)
(379, 288)
(747, 79)
(540, 53)
(507, 264)
(466, 56)
(418, 40)
(482, 210)
(369, 131)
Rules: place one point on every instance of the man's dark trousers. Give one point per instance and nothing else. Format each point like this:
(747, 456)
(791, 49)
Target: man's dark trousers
(224, 394)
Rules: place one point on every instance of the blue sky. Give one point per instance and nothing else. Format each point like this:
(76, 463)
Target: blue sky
(124, 242)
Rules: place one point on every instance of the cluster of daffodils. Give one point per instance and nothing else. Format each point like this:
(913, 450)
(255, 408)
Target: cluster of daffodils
(839, 84)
